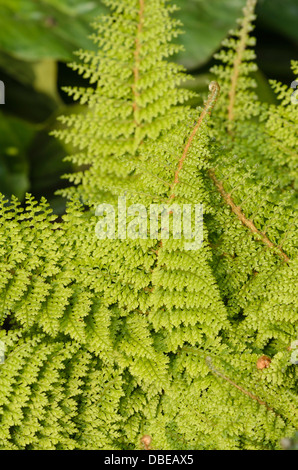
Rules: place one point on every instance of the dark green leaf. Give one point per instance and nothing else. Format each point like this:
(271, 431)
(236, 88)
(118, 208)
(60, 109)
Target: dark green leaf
(206, 24)
(15, 137)
(31, 30)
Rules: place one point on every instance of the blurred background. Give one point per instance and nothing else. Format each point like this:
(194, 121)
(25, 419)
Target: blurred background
(37, 40)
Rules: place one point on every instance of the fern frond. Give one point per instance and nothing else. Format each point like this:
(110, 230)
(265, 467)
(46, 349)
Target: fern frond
(134, 341)
(136, 94)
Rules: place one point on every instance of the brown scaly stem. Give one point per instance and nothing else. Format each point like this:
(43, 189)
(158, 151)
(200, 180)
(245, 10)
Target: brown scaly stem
(245, 392)
(248, 11)
(212, 98)
(248, 223)
(214, 89)
(218, 373)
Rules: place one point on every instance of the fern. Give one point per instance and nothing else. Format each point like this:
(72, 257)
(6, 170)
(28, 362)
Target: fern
(117, 343)
(135, 97)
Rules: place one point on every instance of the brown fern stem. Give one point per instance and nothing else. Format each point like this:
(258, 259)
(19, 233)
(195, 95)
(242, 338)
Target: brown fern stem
(218, 373)
(245, 392)
(214, 89)
(248, 223)
(212, 98)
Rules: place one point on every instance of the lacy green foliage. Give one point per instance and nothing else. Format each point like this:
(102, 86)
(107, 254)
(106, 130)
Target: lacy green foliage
(108, 341)
(136, 94)
(237, 63)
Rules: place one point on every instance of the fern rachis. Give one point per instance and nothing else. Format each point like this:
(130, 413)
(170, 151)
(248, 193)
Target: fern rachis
(138, 344)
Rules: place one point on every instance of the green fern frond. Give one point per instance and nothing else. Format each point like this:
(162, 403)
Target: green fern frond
(136, 94)
(107, 340)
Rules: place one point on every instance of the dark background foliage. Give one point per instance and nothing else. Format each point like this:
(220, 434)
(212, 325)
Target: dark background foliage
(37, 39)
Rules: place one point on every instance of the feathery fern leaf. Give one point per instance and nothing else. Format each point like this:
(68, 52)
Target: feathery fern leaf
(108, 340)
